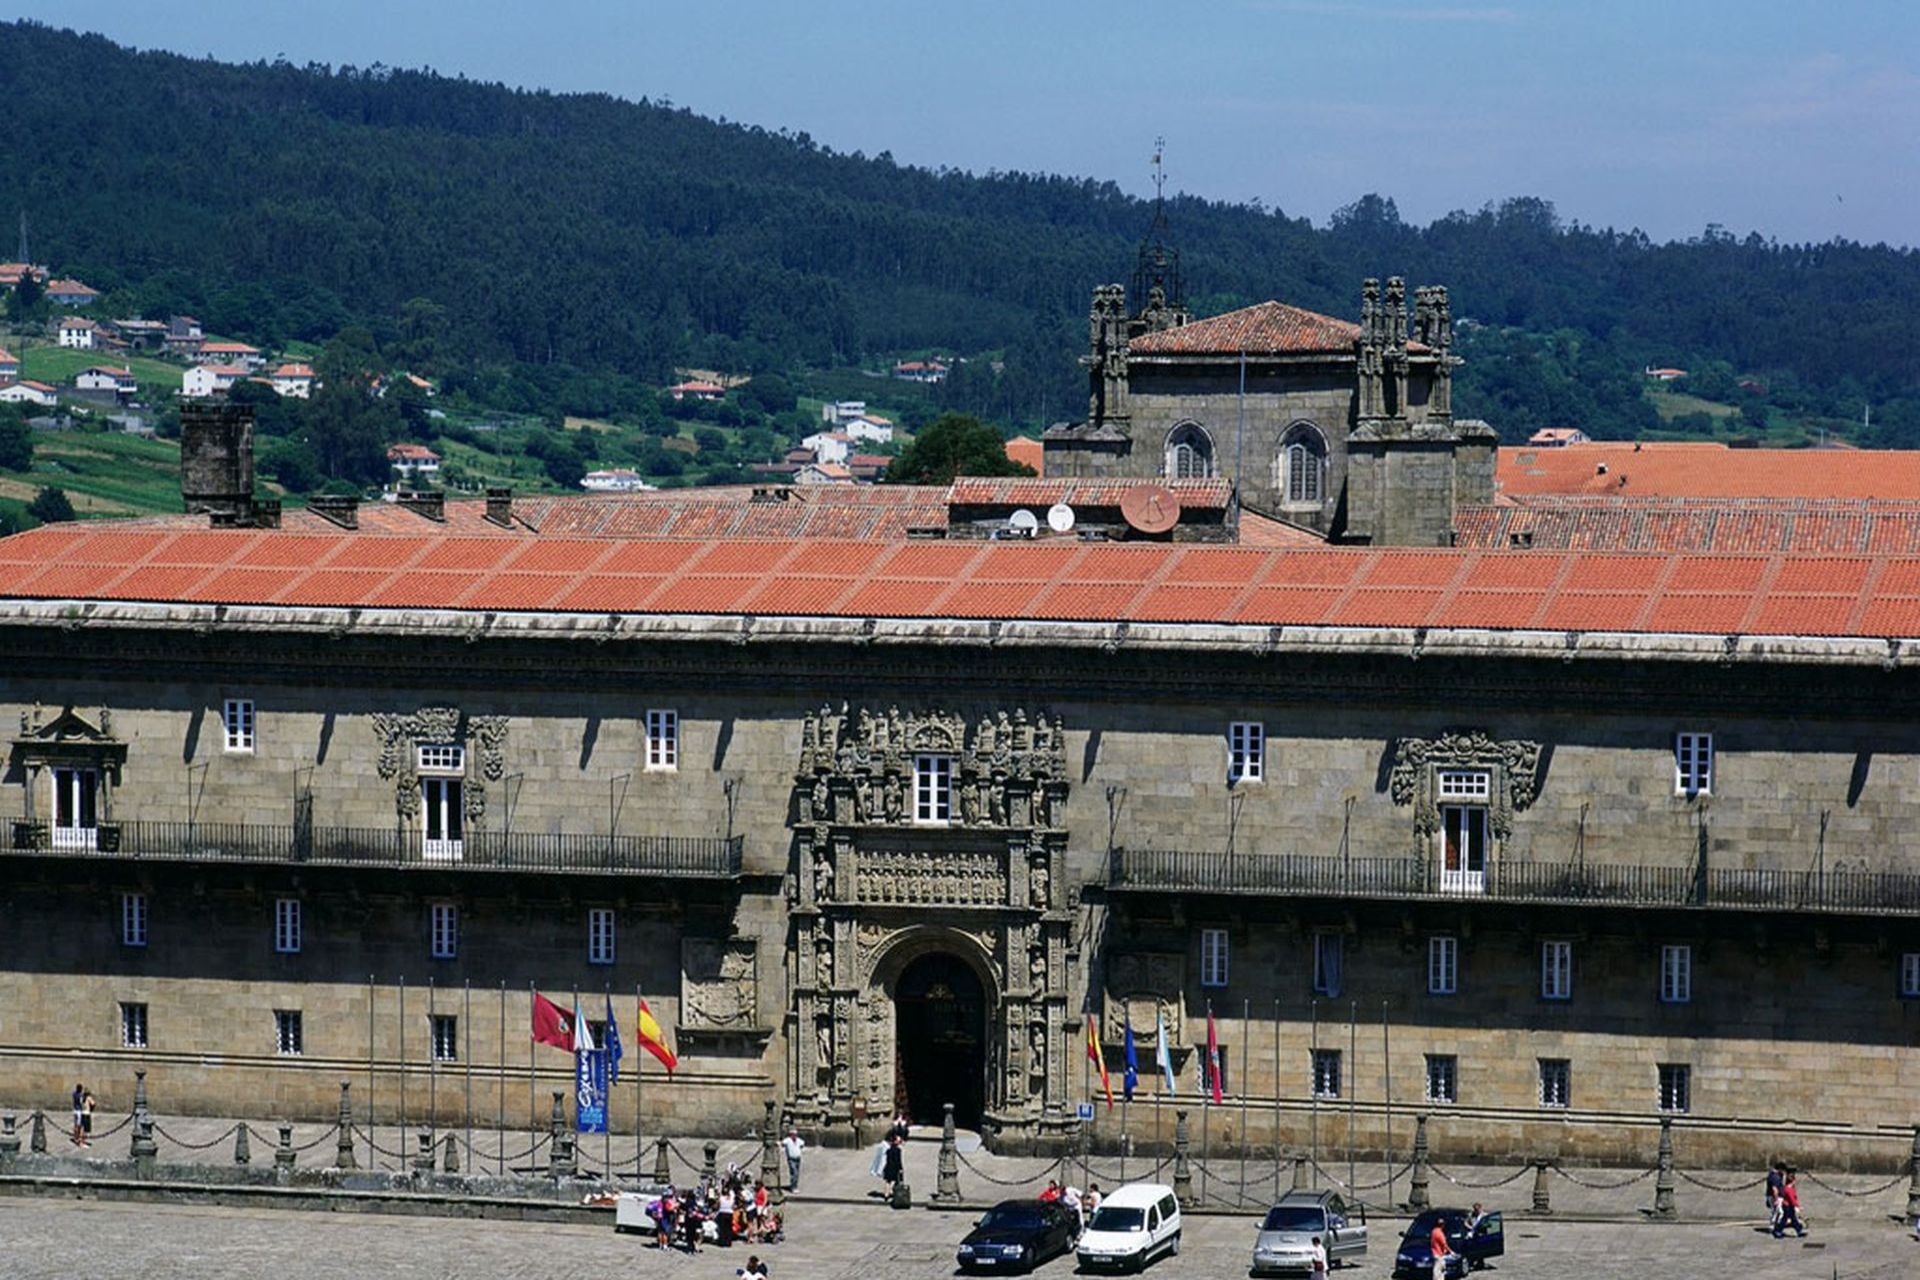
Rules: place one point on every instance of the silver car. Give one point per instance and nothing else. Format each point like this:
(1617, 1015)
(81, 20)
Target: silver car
(1285, 1243)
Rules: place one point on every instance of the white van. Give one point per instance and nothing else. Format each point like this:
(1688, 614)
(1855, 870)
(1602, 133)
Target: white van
(1134, 1225)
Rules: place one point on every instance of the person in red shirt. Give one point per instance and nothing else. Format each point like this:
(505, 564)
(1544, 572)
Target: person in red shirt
(1789, 1209)
(1441, 1250)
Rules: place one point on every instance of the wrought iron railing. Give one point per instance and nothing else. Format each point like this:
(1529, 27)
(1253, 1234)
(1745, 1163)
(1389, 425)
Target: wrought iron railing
(683, 856)
(1311, 875)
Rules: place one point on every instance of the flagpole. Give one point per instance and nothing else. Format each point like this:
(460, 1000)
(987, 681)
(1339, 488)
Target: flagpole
(403, 1071)
(1206, 1103)
(1276, 1099)
(532, 1106)
(1313, 1116)
(1386, 1089)
(606, 1144)
(433, 1068)
(500, 1095)
(1353, 1094)
(373, 1157)
(575, 1090)
(466, 987)
(1245, 1138)
(639, 1070)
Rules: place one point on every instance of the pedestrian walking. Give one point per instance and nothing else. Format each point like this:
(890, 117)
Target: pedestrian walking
(894, 1168)
(792, 1145)
(664, 1209)
(1789, 1208)
(1776, 1179)
(79, 1107)
(86, 1119)
(1317, 1260)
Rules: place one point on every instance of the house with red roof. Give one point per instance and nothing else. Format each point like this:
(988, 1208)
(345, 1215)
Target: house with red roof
(206, 380)
(412, 460)
(920, 371)
(9, 366)
(697, 390)
(77, 333)
(117, 381)
(30, 392)
(293, 379)
(231, 353)
(1557, 437)
(71, 293)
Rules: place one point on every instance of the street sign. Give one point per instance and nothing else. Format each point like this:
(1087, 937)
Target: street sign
(1086, 1111)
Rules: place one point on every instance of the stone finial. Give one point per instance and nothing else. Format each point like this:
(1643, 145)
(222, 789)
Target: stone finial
(1182, 1166)
(662, 1171)
(343, 1152)
(710, 1155)
(947, 1187)
(450, 1156)
(37, 1139)
(1663, 1175)
(284, 1154)
(1913, 1177)
(560, 1163)
(770, 1149)
(1302, 1172)
(1418, 1194)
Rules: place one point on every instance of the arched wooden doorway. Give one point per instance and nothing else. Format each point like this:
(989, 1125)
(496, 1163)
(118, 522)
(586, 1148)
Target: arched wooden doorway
(940, 1050)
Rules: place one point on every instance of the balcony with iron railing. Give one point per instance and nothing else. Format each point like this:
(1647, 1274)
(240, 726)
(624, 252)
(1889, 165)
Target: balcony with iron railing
(1563, 883)
(686, 857)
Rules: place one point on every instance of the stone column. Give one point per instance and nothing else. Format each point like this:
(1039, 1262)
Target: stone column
(770, 1152)
(947, 1186)
(1302, 1179)
(1913, 1179)
(560, 1163)
(1417, 1194)
(37, 1142)
(1542, 1197)
(450, 1156)
(343, 1153)
(662, 1171)
(242, 1148)
(1663, 1177)
(284, 1154)
(143, 1149)
(709, 1167)
(9, 1143)
(1182, 1169)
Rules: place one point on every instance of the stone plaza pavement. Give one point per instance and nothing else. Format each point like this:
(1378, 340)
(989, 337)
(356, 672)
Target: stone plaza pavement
(45, 1238)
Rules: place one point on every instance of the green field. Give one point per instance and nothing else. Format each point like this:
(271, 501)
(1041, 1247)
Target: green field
(1670, 404)
(103, 473)
(57, 365)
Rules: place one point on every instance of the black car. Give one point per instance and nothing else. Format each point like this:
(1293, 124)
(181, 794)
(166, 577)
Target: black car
(1470, 1249)
(1018, 1235)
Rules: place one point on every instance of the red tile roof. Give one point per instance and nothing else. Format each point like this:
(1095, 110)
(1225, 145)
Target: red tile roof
(1709, 471)
(1030, 451)
(1859, 526)
(1266, 328)
(1868, 596)
(1018, 491)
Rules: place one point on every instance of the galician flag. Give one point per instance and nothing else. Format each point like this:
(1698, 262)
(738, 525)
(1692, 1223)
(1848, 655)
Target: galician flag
(1162, 1052)
(652, 1038)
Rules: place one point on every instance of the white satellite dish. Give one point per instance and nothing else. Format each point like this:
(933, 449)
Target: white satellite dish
(1024, 522)
(1060, 517)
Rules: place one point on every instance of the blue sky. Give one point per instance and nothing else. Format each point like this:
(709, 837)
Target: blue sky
(1797, 119)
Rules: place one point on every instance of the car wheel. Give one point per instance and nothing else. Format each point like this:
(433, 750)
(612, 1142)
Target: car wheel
(1173, 1250)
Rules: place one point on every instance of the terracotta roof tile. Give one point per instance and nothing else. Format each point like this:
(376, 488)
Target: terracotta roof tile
(1266, 328)
(1687, 470)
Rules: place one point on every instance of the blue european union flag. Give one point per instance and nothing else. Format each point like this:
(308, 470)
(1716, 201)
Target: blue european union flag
(1132, 1078)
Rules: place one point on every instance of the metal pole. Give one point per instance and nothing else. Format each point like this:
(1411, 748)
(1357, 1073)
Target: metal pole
(1313, 1089)
(373, 1157)
(466, 1016)
(1245, 1040)
(500, 1094)
(533, 1106)
(637, 1073)
(1086, 1091)
(606, 1137)
(1353, 1094)
(1386, 1089)
(433, 1067)
(402, 1064)
(1276, 1099)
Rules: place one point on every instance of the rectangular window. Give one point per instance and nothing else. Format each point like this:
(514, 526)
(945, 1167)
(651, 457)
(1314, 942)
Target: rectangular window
(1909, 973)
(1443, 964)
(1326, 1073)
(1329, 956)
(1676, 974)
(1213, 957)
(600, 935)
(1556, 1082)
(443, 930)
(1466, 784)
(76, 807)
(932, 788)
(288, 1037)
(442, 757)
(286, 925)
(1693, 764)
(443, 1035)
(133, 1026)
(238, 717)
(1556, 971)
(133, 919)
(1246, 751)
(1443, 1078)
(1676, 1087)
(663, 739)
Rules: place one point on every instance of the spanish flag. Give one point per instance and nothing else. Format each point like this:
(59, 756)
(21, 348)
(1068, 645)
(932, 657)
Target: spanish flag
(1098, 1058)
(652, 1039)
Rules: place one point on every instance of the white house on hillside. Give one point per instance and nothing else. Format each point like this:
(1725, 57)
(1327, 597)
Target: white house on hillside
(835, 412)
(413, 460)
(618, 480)
(106, 378)
(29, 393)
(77, 332)
(231, 353)
(869, 426)
(205, 380)
(294, 380)
(829, 446)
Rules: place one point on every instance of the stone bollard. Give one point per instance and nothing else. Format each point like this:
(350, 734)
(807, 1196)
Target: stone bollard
(143, 1149)
(1542, 1197)
(242, 1149)
(9, 1143)
(1913, 1177)
(423, 1152)
(561, 1162)
(1182, 1168)
(38, 1141)
(662, 1171)
(770, 1152)
(343, 1150)
(946, 1187)
(284, 1154)
(709, 1168)
(1418, 1197)
(1302, 1170)
(449, 1156)
(1663, 1176)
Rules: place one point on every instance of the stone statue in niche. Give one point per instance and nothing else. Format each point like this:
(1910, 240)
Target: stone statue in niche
(1037, 1049)
(822, 801)
(863, 799)
(970, 803)
(823, 1041)
(822, 874)
(823, 961)
(1037, 967)
(896, 798)
(1037, 885)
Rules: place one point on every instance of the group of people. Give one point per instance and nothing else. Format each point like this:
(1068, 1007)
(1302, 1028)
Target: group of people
(719, 1210)
(82, 1135)
(1082, 1203)
(1783, 1201)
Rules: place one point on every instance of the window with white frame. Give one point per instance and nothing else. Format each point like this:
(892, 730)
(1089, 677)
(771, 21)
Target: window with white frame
(1326, 1073)
(932, 788)
(1470, 786)
(286, 925)
(1329, 962)
(237, 715)
(1676, 974)
(441, 757)
(443, 930)
(133, 919)
(663, 739)
(1910, 975)
(1676, 1087)
(1213, 957)
(1693, 764)
(600, 935)
(1443, 964)
(1443, 1077)
(443, 1037)
(289, 1037)
(1556, 970)
(1556, 1082)
(1246, 751)
(133, 1025)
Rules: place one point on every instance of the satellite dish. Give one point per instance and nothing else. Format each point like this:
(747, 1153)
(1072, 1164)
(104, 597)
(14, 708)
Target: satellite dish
(1060, 517)
(1151, 508)
(1023, 522)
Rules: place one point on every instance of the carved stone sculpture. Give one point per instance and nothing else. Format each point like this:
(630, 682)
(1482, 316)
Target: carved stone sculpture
(719, 982)
(1513, 763)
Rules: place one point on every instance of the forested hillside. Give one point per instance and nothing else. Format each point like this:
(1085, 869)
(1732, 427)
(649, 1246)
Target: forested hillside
(584, 233)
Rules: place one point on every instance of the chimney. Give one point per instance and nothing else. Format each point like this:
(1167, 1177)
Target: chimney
(216, 460)
(340, 509)
(500, 506)
(431, 503)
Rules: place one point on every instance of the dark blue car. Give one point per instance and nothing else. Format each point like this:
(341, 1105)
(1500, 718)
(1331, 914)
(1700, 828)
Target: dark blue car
(1018, 1235)
(1471, 1249)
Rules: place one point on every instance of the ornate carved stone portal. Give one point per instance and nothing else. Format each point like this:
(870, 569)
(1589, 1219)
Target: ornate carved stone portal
(918, 832)
(1513, 766)
(400, 734)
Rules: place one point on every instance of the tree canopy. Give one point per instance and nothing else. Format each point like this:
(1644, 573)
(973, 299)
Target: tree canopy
(955, 444)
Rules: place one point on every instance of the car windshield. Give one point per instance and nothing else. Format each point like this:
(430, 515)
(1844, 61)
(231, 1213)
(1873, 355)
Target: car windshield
(1285, 1217)
(1011, 1218)
(1422, 1227)
(1114, 1219)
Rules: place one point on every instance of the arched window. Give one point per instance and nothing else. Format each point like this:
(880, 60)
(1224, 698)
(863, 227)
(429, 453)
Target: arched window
(1303, 466)
(1189, 452)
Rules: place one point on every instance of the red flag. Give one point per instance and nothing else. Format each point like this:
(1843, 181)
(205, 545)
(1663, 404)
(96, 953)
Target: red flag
(1099, 1060)
(552, 1024)
(1213, 1057)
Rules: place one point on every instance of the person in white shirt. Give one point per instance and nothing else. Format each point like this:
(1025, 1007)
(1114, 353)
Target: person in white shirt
(793, 1144)
(1317, 1260)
